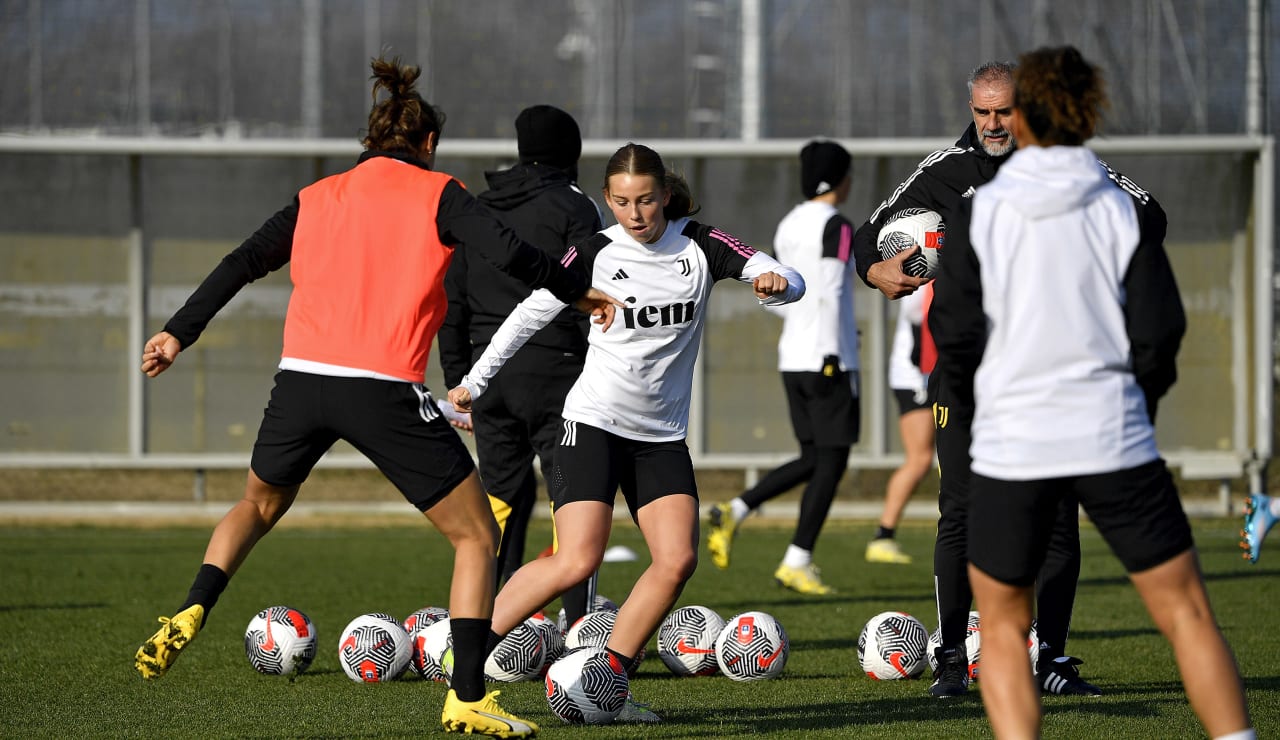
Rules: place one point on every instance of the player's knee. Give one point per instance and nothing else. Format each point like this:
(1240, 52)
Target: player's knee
(678, 567)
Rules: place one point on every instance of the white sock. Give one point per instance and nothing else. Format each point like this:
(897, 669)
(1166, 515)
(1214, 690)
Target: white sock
(797, 557)
(740, 510)
(1249, 734)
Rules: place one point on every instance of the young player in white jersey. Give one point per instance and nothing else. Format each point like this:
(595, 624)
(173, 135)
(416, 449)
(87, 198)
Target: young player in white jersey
(910, 361)
(818, 359)
(625, 419)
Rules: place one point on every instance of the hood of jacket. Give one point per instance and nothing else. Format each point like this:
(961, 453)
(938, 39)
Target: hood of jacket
(1045, 181)
(513, 187)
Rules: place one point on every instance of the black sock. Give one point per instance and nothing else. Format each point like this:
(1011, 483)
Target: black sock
(491, 642)
(469, 636)
(210, 582)
(575, 603)
(628, 663)
(884, 533)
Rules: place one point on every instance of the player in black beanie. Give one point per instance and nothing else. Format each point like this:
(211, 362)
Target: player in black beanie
(823, 164)
(519, 417)
(547, 135)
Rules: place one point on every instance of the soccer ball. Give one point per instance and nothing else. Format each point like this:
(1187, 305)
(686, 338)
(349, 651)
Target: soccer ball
(433, 651)
(914, 226)
(425, 616)
(374, 648)
(600, 604)
(892, 645)
(280, 640)
(973, 645)
(752, 646)
(587, 686)
(687, 640)
(552, 639)
(519, 656)
(592, 630)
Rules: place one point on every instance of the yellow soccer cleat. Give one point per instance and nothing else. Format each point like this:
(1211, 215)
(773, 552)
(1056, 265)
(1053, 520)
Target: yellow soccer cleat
(720, 535)
(158, 653)
(804, 580)
(483, 717)
(886, 551)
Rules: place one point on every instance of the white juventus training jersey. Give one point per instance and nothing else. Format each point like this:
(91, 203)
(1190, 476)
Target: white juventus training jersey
(817, 241)
(638, 375)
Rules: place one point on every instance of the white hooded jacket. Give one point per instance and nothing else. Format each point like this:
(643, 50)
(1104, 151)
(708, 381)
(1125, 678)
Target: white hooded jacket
(1048, 257)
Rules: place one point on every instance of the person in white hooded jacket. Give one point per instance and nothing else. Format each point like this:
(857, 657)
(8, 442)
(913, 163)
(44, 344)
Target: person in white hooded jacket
(1068, 322)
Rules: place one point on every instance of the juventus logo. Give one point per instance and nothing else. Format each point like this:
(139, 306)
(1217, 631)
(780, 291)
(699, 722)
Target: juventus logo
(685, 268)
(940, 416)
(570, 437)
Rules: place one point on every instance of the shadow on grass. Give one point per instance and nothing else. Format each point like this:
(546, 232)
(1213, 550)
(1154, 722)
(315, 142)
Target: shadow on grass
(787, 599)
(50, 607)
(829, 717)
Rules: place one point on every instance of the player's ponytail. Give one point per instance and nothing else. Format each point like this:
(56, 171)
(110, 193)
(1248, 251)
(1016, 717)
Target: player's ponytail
(638, 159)
(681, 203)
(401, 121)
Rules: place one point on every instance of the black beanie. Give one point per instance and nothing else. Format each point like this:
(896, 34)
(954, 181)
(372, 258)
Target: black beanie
(547, 135)
(823, 164)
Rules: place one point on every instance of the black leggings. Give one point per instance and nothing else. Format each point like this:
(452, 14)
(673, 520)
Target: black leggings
(822, 468)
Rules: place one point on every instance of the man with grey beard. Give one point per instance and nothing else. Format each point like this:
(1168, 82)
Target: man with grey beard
(941, 182)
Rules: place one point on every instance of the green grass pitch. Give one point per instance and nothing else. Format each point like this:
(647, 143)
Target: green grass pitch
(77, 601)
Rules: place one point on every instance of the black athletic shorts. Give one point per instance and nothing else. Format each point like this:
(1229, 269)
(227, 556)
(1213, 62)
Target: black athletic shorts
(911, 400)
(592, 464)
(396, 425)
(1137, 511)
(519, 415)
(825, 411)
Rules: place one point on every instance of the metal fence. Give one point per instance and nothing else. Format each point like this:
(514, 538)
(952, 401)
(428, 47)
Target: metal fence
(137, 223)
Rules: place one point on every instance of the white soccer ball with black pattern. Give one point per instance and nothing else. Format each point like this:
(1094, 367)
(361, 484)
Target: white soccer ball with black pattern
(433, 651)
(687, 640)
(519, 656)
(752, 646)
(374, 648)
(552, 639)
(592, 630)
(279, 641)
(891, 646)
(587, 686)
(973, 645)
(424, 617)
(912, 226)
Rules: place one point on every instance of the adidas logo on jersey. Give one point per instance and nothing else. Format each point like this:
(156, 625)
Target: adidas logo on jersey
(647, 317)
(620, 275)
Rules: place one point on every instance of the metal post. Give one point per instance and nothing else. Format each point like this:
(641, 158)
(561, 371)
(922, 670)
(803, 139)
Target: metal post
(1264, 305)
(138, 286)
(310, 73)
(752, 70)
(142, 63)
(35, 66)
(1253, 71)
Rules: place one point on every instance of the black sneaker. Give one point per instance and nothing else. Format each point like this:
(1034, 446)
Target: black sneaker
(1060, 676)
(951, 677)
